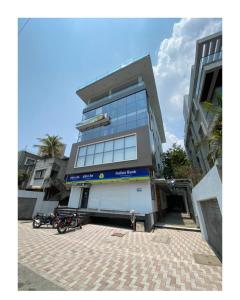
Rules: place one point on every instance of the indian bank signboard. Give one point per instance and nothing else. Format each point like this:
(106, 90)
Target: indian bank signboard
(109, 176)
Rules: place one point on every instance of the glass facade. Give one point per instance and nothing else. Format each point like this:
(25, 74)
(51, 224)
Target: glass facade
(120, 149)
(126, 113)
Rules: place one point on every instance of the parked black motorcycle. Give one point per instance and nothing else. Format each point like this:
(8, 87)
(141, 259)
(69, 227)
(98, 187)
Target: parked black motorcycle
(67, 222)
(42, 219)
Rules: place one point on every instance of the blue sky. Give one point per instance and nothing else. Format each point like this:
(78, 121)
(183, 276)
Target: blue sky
(57, 56)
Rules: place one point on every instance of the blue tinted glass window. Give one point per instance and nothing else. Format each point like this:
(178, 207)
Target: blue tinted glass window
(108, 146)
(99, 147)
(89, 160)
(120, 149)
(108, 157)
(126, 113)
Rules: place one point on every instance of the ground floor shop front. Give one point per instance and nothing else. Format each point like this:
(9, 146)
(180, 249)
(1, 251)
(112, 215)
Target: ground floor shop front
(114, 193)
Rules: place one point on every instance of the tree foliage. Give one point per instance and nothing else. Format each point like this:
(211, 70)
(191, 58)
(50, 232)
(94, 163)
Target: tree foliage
(22, 176)
(177, 165)
(174, 162)
(214, 139)
(50, 146)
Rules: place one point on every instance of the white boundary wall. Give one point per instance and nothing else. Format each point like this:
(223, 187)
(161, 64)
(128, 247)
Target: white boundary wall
(210, 187)
(41, 206)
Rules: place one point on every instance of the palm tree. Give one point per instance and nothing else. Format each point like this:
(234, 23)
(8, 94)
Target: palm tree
(214, 140)
(51, 146)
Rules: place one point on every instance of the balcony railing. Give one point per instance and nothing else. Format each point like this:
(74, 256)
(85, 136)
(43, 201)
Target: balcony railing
(127, 62)
(203, 62)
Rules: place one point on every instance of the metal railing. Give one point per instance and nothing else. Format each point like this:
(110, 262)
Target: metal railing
(203, 62)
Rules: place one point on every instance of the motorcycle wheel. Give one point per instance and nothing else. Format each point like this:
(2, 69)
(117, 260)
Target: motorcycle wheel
(36, 223)
(55, 224)
(61, 228)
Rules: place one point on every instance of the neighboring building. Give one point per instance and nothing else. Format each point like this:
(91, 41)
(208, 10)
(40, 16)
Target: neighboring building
(26, 163)
(206, 81)
(43, 187)
(48, 176)
(120, 142)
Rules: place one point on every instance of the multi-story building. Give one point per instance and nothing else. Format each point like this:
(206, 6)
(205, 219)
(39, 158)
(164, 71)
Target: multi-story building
(44, 187)
(26, 163)
(119, 145)
(205, 84)
(48, 176)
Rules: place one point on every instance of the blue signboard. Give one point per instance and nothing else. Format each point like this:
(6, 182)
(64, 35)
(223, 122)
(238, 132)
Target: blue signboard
(109, 176)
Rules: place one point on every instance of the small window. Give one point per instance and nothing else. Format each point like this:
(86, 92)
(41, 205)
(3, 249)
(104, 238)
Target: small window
(29, 161)
(39, 174)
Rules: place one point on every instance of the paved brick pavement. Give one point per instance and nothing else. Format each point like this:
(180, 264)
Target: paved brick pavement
(92, 259)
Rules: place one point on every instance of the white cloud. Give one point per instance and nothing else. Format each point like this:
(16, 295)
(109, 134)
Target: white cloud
(171, 139)
(172, 71)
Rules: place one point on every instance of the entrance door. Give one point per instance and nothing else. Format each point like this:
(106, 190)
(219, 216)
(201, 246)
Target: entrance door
(85, 195)
(176, 204)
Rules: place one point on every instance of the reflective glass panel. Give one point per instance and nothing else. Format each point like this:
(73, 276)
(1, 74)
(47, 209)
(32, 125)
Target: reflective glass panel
(99, 147)
(119, 155)
(130, 141)
(89, 160)
(119, 144)
(108, 146)
(80, 162)
(90, 149)
(98, 158)
(82, 151)
(108, 157)
(130, 153)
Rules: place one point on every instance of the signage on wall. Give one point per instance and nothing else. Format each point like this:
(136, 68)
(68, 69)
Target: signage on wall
(109, 176)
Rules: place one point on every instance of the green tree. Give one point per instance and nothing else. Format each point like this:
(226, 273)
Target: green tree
(22, 176)
(50, 146)
(214, 139)
(177, 165)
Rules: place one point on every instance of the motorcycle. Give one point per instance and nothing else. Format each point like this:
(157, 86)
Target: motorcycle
(65, 223)
(42, 219)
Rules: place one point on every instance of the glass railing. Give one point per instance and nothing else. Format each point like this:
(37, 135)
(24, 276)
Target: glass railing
(203, 62)
(128, 62)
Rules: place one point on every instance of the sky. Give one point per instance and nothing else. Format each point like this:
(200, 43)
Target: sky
(57, 56)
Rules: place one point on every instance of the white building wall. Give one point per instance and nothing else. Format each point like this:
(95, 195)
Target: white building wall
(210, 187)
(74, 198)
(122, 196)
(45, 207)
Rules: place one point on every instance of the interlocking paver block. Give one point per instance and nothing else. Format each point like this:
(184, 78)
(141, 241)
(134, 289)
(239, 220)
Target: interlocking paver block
(92, 259)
